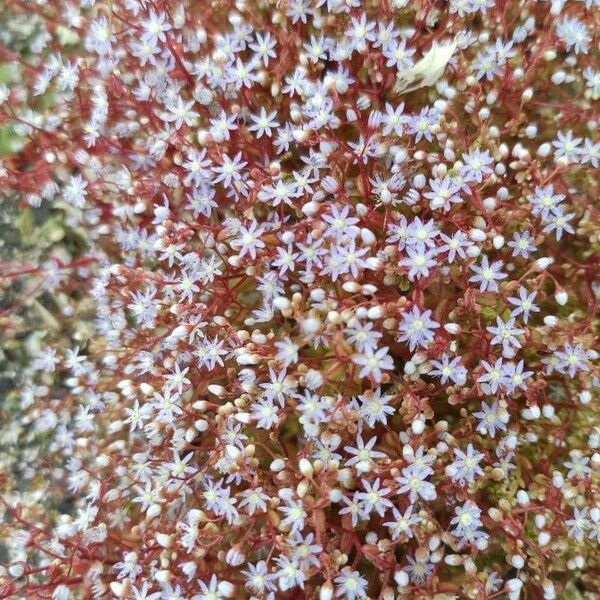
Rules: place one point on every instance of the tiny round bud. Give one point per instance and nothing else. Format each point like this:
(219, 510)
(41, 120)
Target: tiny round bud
(548, 411)
(418, 426)
(498, 241)
(540, 521)
(164, 540)
(375, 312)
(543, 538)
(305, 467)
(335, 495)
(277, 465)
(234, 557)
(310, 208)
(517, 561)
(419, 181)
(371, 538)
(473, 251)
(352, 287)
(549, 591)
(527, 94)
(561, 297)
(226, 589)
(401, 578)
(326, 591)
(318, 295)
(544, 150)
(541, 264)
(163, 576)
(282, 303)
(489, 203)
(16, 570)
(368, 237)
(477, 235)
(310, 326)
(514, 585)
(452, 328)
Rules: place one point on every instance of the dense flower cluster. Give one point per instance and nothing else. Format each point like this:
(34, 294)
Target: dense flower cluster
(323, 302)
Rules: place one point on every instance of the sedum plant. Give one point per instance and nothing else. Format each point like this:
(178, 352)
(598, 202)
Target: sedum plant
(313, 307)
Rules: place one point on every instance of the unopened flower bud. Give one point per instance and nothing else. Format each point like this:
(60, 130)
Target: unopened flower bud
(277, 465)
(226, 589)
(326, 591)
(418, 426)
(401, 578)
(281, 303)
(543, 538)
(305, 467)
(234, 557)
(561, 297)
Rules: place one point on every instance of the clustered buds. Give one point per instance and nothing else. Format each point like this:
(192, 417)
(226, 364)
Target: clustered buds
(315, 313)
